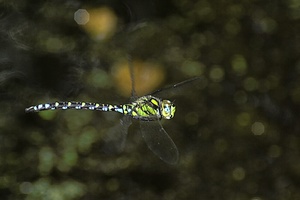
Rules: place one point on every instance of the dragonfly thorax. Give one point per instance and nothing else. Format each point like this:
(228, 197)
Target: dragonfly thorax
(150, 108)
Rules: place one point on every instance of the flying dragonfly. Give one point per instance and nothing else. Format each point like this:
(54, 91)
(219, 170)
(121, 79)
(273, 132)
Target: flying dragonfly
(149, 110)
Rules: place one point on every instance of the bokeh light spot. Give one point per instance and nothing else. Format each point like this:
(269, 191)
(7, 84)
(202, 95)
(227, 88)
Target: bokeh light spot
(250, 84)
(46, 160)
(47, 114)
(193, 68)
(72, 189)
(25, 187)
(98, 78)
(123, 162)
(102, 23)
(86, 139)
(76, 121)
(148, 76)
(216, 74)
(238, 173)
(243, 119)
(239, 64)
(69, 159)
(54, 44)
(258, 128)
(267, 25)
(81, 16)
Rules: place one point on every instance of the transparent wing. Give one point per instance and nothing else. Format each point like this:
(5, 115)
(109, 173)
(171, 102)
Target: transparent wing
(115, 138)
(159, 142)
(179, 88)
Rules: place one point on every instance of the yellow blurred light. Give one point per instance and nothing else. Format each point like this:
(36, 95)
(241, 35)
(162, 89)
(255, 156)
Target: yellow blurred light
(147, 77)
(101, 24)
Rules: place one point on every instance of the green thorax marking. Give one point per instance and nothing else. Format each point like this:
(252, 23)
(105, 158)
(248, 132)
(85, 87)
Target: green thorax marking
(150, 108)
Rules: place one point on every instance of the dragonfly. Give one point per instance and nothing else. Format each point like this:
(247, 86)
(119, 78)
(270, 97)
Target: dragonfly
(149, 110)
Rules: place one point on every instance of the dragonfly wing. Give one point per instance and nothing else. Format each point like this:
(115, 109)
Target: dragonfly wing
(179, 88)
(115, 138)
(159, 142)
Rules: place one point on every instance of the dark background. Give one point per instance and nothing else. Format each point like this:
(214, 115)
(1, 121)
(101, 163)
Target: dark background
(237, 131)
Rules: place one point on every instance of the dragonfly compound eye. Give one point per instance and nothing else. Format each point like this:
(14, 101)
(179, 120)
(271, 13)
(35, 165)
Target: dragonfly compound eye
(167, 109)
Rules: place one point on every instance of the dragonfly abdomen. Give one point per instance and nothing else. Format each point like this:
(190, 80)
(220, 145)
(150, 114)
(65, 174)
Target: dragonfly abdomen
(75, 105)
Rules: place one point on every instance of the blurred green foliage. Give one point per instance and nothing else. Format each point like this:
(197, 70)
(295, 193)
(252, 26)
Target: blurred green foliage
(237, 132)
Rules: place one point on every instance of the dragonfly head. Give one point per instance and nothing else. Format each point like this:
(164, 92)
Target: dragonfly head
(167, 109)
